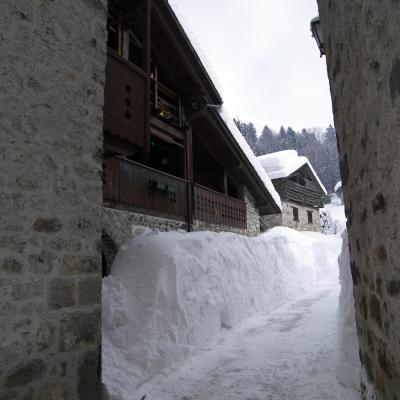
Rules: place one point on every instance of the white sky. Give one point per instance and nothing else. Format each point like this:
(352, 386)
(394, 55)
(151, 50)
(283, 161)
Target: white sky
(266, 63)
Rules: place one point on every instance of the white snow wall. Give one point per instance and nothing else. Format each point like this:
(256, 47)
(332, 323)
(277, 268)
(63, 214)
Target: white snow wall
(171, 291)
(349, 366)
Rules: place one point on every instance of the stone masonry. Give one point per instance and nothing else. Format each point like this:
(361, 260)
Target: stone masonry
(363, 60)
(302, 224)
(286, 218)
(52, 64)
(119, 224)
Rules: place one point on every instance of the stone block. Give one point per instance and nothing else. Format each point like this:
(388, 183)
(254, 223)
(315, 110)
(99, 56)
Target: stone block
(47, 225)
(89, 386)
(89, 291)
(79, 330)
(55, 391)
(41, 263)
(27, 290)
(61, 293)
(12, 266)
(26, 373)
(81, 265)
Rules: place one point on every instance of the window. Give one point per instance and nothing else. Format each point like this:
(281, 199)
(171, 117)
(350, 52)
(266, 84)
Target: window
(295, 214)
(309, 215)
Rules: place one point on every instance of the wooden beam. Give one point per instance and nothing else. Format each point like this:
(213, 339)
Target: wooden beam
(189, 176)
(147, 68)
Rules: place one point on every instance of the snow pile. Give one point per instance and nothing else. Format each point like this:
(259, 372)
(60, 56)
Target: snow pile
(283, 163)
(171, 291)
(349, 367)
(250, 155)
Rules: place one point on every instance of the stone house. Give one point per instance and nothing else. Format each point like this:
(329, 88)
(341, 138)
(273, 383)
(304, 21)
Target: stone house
(172, 160)
(300, 189)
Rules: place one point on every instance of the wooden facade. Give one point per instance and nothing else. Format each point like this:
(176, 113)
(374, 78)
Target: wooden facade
(165, 149)
(301, 187)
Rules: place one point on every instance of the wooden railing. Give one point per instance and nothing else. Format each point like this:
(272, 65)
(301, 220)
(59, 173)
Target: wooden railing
(216, 208)
(132, 184)
(135, 185)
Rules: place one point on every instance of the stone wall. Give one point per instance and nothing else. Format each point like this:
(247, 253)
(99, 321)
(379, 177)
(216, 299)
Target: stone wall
(302, 224)
(253, 215)
(119, 224)
(363, 60)
(270, 221)
(52, 64)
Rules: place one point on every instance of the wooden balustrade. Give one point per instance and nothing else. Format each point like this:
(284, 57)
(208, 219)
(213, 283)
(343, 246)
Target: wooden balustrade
(216, 208)
(132, 184)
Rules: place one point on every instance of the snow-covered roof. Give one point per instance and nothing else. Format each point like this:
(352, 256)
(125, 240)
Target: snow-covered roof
(284, 163)
(250, 155)
(338, 186)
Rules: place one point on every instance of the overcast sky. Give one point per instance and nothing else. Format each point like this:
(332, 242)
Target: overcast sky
(265, 62)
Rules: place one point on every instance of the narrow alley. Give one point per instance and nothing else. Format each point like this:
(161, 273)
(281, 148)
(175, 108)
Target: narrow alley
(289, 354)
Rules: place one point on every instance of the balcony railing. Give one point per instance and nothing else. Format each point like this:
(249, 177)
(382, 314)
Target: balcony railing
(132, 184)
(140, 187)
(216, 208)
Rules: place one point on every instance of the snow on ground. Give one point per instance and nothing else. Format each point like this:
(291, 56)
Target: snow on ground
(288, 354)
(169, 293)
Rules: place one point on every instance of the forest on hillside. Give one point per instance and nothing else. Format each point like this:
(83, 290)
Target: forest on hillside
(318, 145)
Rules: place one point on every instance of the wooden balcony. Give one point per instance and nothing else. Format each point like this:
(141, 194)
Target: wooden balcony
(143, 189)
(131, 184)
(216, 208)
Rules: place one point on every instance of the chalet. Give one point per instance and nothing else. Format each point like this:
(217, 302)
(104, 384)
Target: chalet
(171, 161)
(300, 190)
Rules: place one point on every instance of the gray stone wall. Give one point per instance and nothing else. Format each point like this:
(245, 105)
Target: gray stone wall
(52, 64)
(363, 60)
(120, 224)
(270, 221)
(253, 215)
(302, 224)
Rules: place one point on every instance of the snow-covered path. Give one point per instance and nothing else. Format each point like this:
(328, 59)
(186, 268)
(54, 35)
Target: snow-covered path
(289, 354)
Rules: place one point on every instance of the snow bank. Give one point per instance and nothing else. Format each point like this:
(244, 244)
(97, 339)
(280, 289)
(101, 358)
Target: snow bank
(283, 163)
(170, 292)
(348, 367)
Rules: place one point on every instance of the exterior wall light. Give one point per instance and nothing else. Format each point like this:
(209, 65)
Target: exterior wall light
(316, 31)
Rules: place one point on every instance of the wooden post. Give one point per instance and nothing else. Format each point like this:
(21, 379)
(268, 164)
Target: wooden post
(189, 175)
(147, 68)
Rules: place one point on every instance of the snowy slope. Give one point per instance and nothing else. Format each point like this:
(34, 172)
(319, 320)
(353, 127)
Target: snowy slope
(170, 292)
(283, 163)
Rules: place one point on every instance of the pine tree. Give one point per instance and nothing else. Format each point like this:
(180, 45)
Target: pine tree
(249, 132)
